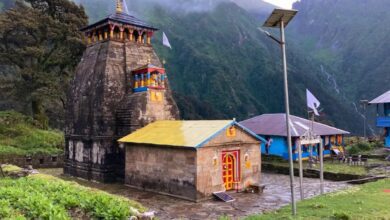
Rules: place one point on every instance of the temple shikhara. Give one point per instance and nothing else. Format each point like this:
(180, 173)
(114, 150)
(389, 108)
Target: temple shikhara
(120, 85)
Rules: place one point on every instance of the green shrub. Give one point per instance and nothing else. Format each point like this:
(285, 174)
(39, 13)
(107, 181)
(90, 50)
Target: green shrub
(46, 197)
(359, 147)
(377, 144)
(364, 146)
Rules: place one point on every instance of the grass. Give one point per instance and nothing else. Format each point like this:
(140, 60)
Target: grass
(369, 201)
(45, 197)
(19, 135)
(335, 167)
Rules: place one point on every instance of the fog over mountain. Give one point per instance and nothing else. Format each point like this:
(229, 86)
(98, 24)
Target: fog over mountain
(99, 8)
(206, 5)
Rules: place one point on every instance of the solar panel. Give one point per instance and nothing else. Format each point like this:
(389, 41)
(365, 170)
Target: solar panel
(223, 196)
(280, 14)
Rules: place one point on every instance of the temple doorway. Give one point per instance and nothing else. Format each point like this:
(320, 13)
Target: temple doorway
(230, 169)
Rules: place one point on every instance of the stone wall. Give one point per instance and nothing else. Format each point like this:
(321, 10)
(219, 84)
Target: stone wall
(166, 170)
(36, 161)
(209, 173)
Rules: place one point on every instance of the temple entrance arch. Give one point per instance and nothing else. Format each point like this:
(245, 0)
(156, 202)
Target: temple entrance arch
(231, 169)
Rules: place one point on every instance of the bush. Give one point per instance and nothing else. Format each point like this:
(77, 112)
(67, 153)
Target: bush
(360, 147)
(46, 197)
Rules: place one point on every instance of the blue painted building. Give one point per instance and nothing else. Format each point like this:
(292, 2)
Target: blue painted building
(272, 127)
(383, 115)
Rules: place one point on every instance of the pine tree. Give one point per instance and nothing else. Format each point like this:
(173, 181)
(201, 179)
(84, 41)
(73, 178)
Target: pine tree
(40, 40)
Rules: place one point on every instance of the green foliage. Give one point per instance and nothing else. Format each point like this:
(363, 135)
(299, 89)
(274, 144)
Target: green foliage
(372, 204)
(361, 146)
(10, 168)
(329, 166)
(40, 39)
(20, 135)
(45, 197)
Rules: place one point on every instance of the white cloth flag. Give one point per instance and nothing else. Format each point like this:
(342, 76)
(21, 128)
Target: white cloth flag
(124, 6)
(166, 41)
(312, 102)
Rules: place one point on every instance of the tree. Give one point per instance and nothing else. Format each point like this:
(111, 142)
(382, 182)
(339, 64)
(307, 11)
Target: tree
(41, 40)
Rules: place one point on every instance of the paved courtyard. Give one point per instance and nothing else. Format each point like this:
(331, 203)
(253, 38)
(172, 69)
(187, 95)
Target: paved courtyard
(275, 195)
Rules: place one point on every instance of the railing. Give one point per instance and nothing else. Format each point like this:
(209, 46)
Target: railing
(383, 122)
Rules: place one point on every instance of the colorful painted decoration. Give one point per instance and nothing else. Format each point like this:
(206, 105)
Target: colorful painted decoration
(231, 131)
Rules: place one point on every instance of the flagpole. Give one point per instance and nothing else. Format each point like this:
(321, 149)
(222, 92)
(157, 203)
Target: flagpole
(300, 169)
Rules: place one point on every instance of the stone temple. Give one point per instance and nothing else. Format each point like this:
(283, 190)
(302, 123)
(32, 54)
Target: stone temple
(119, 86)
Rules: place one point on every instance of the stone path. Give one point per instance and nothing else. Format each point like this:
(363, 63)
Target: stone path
(275, 195)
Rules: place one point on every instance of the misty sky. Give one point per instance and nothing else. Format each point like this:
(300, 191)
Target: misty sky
(282, 3)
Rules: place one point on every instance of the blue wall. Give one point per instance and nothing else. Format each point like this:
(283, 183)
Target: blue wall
(387, 138)
(279, 148)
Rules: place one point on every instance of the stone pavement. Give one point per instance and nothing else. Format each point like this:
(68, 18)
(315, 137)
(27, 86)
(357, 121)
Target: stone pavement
(275, 195)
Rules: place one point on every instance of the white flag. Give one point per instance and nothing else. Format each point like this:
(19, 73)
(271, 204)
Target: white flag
(312, 102)
(166, 41)
(124, 6)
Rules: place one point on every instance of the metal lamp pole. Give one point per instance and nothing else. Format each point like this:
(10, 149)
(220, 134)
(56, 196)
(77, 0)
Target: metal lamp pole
(280, 18)
(287, 106)
(365, 103)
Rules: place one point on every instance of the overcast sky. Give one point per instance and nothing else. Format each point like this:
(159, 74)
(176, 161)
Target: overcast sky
(282, 3)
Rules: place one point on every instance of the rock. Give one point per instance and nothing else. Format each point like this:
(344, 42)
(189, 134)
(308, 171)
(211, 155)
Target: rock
(147, 216)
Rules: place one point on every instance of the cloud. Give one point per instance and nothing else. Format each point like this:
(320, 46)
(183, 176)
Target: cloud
(184, 6)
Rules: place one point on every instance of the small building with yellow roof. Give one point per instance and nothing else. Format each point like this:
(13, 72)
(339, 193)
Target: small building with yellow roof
(192, 159)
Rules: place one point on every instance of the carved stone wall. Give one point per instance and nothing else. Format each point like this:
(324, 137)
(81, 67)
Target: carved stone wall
(101, 108)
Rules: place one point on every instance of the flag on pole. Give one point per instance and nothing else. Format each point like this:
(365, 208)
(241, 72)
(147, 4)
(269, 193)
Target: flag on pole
(312, 102)
(124, 5)
(166, 41)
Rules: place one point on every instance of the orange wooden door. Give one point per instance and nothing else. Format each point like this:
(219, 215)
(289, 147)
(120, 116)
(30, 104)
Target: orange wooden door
(228, 171)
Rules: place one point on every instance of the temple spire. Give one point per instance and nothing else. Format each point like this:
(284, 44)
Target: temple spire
(121, 6)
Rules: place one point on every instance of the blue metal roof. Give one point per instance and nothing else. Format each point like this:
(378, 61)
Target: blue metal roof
(275, 125)
(384, 98)
(122, 18)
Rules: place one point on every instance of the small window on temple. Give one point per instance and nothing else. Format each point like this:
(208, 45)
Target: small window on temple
(41, 161)
(53, 159)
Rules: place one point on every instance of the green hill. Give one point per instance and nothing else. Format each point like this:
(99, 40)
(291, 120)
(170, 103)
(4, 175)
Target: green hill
(19, 135)
(349, 39)
(223, 61)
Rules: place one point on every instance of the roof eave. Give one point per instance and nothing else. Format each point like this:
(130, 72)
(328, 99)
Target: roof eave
(107, 19)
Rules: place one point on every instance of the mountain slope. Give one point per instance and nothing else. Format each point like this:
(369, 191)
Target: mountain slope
(349, 38)
(221, 66)
(223, 60)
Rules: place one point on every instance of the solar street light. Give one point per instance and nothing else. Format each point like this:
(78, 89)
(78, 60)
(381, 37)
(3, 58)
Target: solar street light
(280, 18)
